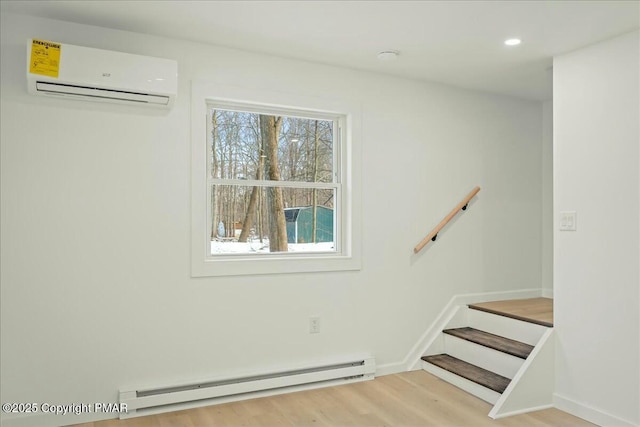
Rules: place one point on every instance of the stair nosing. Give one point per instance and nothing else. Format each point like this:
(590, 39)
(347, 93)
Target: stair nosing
(519, 355)
(478, 369)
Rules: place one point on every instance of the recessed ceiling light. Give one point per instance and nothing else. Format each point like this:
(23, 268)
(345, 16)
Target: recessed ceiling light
(387, 55)
(512, 42)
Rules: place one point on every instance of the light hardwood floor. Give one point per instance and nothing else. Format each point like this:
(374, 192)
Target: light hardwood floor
(537, 310)
(407, 399)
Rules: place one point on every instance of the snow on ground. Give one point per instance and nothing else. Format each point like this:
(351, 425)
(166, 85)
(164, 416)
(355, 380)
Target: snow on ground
(227, 247)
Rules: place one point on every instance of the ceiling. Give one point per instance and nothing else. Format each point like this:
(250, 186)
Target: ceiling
(453, 42)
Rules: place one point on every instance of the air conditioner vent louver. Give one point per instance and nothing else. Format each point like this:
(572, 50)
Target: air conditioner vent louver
(101, 94)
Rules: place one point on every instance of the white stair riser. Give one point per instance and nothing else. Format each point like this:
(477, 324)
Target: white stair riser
(460, 319)
(492, 360)
(518, 330)
(477, 390)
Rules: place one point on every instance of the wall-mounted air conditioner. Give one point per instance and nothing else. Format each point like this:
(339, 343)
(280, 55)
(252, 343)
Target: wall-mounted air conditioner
(89, 74)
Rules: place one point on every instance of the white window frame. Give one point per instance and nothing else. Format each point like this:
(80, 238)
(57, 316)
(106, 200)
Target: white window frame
(348, 248)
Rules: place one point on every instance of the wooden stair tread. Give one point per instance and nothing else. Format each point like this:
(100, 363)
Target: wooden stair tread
(496, 342)
(533, 310)
(474, 373)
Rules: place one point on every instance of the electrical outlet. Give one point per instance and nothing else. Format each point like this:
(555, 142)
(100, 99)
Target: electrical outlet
(314, 325)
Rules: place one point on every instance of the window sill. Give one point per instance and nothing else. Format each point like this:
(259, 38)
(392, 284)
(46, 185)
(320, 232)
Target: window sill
(273, 264)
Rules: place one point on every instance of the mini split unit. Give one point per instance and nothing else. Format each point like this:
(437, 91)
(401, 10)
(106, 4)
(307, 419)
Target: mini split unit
(89, 74)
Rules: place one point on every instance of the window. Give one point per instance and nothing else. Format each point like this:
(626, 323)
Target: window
(273, 186)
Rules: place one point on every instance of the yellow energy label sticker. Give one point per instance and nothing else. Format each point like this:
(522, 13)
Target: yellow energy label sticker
(45, 58)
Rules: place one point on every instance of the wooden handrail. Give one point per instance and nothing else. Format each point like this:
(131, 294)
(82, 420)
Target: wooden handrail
(434, 233)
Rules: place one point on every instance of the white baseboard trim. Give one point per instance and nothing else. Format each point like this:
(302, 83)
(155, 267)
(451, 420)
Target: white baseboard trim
(589, 413)
(547, 292)
(412, 359)
(390, 368)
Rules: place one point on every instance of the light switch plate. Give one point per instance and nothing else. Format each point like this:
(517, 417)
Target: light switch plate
(568, 221)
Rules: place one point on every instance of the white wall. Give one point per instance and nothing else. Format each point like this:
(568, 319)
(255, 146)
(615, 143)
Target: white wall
(596, 269)
(96, 288)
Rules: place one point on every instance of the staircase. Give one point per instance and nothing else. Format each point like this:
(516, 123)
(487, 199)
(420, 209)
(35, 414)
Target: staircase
(503, 359)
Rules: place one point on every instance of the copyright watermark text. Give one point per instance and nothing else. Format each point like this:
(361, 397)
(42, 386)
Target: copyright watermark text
(70, 408)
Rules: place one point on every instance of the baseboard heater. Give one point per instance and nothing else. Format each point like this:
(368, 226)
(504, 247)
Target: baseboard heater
(147, 401)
